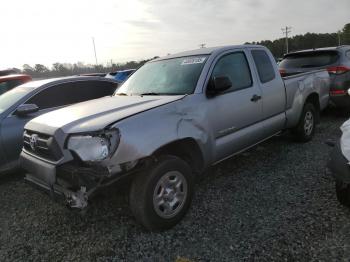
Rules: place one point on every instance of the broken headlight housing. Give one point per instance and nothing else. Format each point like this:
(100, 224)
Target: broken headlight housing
(96, 146)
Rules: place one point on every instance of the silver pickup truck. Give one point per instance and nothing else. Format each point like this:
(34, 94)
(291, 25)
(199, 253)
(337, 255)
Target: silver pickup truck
(173, 118)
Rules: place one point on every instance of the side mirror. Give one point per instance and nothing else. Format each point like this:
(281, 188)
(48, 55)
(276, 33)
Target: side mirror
(219, 84)
(26, 109)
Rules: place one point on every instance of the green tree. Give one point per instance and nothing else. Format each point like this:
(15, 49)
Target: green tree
(28, 69)
(345, 35)
(56, 66)
(39, 68)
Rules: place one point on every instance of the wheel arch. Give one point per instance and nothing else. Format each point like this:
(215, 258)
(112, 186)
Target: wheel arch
(314, 99)
(187, 149)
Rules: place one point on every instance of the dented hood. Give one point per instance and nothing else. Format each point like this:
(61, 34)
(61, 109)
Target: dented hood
(96, 114)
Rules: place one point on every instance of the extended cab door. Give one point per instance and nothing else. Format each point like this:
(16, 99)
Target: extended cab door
(273, 91)
(235, 114)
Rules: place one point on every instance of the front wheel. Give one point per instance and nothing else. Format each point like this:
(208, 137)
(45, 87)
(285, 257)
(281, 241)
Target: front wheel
(305, 129)
(160, 197)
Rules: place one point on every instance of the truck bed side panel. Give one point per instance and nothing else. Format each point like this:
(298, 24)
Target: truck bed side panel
(300, 87)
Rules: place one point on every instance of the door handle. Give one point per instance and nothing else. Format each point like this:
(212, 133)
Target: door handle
(255, 98)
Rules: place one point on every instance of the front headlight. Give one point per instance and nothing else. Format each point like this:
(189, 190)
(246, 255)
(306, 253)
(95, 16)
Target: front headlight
(95, 147)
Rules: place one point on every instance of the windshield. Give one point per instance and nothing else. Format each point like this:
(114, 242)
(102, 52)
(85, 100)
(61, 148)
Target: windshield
(14, 95)
(311, 59)
(175, 76)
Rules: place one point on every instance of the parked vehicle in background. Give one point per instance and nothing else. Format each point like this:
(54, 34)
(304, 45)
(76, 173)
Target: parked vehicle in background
(6, 72)
(173, 118)
(8, 82)
(335, 59)
(94, 74)
(23, 103)
(121, 76)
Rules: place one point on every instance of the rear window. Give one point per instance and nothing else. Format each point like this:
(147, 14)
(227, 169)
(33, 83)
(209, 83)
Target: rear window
(309, 60)
(9, 84)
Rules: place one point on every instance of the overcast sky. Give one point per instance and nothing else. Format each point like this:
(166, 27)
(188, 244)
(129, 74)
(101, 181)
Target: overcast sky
(42, 31)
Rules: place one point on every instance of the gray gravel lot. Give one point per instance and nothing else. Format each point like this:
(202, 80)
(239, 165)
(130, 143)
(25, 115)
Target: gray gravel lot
(274, 202)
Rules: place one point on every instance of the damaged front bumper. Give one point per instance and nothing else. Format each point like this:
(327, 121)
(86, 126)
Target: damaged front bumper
(44, 176)
(76, 184)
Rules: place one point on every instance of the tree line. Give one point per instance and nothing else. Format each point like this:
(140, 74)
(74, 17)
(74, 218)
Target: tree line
(307, 41)
(67, 69)
(277, 47)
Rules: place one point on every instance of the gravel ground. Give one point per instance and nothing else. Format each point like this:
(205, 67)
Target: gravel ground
(274, 202)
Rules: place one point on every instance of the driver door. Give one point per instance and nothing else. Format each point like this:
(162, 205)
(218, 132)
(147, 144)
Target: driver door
(235, 114)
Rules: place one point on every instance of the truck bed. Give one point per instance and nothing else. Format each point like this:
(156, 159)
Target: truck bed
(296, 84)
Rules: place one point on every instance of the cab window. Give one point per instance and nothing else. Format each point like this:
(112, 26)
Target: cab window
(235, 66)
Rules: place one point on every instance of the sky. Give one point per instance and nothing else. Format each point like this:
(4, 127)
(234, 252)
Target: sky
(45, 32)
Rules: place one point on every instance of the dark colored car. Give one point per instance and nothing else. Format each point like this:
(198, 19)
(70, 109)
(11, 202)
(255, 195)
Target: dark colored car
(9, 72)
(335, 59)
(121, 76)
(8, 82)
(25, 102)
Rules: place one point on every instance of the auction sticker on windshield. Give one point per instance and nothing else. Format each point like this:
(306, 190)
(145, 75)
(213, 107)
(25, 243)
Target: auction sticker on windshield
(193, 60)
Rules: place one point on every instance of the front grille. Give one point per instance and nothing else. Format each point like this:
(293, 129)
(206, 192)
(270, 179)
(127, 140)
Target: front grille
(44, 146)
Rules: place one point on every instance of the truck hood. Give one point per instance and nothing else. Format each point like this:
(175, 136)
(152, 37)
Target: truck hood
(96, 114)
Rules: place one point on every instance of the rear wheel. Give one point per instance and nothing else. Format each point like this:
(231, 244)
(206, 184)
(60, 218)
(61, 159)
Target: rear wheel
(305, 129)
(161, 197)
(343, 193)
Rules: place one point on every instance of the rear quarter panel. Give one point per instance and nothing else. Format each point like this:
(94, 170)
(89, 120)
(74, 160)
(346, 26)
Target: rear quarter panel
(300, 87)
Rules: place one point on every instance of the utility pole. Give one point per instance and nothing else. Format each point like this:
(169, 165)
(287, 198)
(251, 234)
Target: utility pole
(339, 40)
(93, 42)
(202, 45)
(286, 31)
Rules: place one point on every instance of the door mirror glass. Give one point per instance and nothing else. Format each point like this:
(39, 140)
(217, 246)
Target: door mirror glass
(219, 84)
(26, 109)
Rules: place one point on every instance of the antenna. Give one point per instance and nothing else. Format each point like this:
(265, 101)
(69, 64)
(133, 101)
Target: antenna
(202, 45)
(339, 39)
(93, 42)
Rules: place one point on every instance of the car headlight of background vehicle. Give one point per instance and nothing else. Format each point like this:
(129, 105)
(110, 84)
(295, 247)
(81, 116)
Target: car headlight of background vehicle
(95, 146)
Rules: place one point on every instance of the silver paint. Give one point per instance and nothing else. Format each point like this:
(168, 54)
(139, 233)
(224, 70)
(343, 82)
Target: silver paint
(221, 126)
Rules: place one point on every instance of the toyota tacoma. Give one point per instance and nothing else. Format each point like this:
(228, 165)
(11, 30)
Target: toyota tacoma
(172, 119)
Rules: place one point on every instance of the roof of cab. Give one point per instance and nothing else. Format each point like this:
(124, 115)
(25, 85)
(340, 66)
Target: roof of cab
(205, 51)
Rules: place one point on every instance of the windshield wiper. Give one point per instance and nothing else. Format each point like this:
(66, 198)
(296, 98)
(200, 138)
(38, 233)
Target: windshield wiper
(121, 94)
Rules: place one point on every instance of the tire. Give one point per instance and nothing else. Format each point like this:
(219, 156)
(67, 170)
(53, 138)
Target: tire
(305, 129)
(343, 193)
(154, 199)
